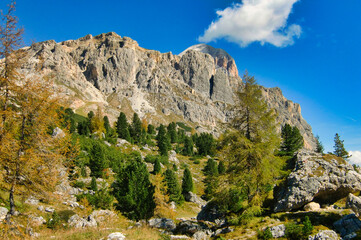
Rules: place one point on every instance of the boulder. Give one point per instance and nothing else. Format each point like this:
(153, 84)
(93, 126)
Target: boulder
(325, 235)
(188, 227)
(49, 209)
(354, 203)
(347, 226)
(3, 213)
(311, 207)
(78, 222)
(32, 200)
(200, 235)
(116, 236)
(37, 221)
(174, 237)
(58, 133)
(192, 197)
(278, 231)
(162, 223)
(211, 213)
(316, 178)
(102, 215)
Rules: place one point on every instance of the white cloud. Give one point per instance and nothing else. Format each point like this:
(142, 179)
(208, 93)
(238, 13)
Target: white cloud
(355, 158)
(263, 21)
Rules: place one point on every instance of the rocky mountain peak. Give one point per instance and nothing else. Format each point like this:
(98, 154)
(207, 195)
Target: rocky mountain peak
(196, 87)
(222, 58)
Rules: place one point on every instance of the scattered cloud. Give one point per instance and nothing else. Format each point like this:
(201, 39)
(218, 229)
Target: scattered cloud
(355, 158)
(263, 21)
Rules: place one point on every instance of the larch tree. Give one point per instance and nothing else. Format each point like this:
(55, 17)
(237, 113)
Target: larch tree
(248, 152)
(29, 155)
(339, 147)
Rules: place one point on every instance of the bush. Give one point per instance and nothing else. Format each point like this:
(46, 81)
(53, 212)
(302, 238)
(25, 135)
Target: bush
(294, 231)
(54, 221)
(64, 215)
(197, 161)
(78, 184)
(307, 227)
(265, 234)
(153, 158)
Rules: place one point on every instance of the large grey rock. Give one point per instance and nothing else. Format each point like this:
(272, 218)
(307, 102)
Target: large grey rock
(58, 133)
(312, 206)
(3, 213)
(102, 215)
(192, 197)
(200, 235)
(325, 235)
(116, 73)
(211, 213)
(347, 226)
(316, 179)
(78, 222)
(37, 221)
(278, 231)
(163, 223)
(188, 227)
(116, 236)
(354, 203)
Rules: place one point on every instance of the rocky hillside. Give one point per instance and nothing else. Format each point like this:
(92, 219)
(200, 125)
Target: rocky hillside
(114, 72)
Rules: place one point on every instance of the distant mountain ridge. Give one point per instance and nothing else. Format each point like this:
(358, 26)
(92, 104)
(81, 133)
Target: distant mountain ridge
(196, 87)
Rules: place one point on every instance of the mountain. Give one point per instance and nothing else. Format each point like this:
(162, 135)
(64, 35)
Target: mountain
(197, 87)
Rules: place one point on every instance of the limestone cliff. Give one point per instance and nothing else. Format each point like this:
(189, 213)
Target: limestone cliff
(196, 87)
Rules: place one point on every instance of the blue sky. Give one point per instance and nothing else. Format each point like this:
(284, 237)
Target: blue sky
(310, 49)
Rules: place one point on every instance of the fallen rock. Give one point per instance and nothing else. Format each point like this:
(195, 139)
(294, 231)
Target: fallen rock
(37, 221)
(174, 237)
(32, 200)
(201, 235)
(325, 235)
(163, 223)
(211, 213)
(58, 133)
(49, 209)
(192, 197)
(316, 178)
(347, 225)
(3, 213)
(102, 215)
(278, 231)
(116, 236)
(173, 157)
(188, 227)
(354, 203)
(78, 222)
(311, 207)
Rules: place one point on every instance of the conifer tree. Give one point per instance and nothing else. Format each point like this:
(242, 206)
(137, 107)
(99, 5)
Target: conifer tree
(107, 126)
(249, 152)
(157, 167)
(123, 127)
(340, 150)
(188, 146)
(97, 161)
(221, 168)
(134, 192)
(292, 140)
(162, 141)
(29, 155)
(211, 168)
(172, 132)
(93, 184)
(187, 181)
(136, 129)
(151, 129)
(319, 146)
(205, 144)
(173, 189)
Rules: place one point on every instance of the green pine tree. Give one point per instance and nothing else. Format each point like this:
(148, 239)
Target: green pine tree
(211, 168)
(172, 132)
(205, 144)
(340, 150)
(188, 146)
(151, 129)
(93, 184)
(319, 146)
(163, 142)
(187, 181)
(122, 127)
(157, 167)
(292, 140)
(173, 189)
(136, 129)
(221, 168)
(97, 161)
(107, 125)
(134, 192)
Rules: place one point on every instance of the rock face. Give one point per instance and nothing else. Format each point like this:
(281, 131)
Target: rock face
(354, 203)
(113, 72)
(322, 180)
(325, 235)
(347, 226)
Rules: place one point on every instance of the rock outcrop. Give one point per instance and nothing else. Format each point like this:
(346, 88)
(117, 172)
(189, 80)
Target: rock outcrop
(325, 235)
(354, 203)
(347, 226)
(117, 74)
(316, 178)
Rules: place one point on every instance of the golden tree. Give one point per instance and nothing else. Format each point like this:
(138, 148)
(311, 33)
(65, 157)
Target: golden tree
(28, 152)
